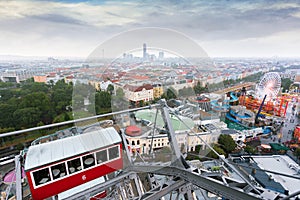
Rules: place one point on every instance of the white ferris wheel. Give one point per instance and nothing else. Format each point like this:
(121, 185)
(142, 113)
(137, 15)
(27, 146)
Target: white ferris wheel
(269, 85)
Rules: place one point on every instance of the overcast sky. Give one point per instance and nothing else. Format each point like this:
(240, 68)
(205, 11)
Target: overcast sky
(221, 28)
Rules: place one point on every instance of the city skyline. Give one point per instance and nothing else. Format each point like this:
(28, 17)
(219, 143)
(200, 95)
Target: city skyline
(74, 28)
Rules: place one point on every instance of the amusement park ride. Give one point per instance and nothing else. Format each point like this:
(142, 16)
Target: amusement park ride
(267, 90)
(56, 166)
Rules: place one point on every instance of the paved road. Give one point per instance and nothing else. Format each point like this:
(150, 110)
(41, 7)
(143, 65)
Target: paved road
(290, 124)
(285, 133)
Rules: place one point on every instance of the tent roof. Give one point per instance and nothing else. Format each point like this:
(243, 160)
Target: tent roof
(278, 147)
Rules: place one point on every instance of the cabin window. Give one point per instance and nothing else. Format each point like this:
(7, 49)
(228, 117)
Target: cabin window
(41, 176)
(101, 156)
(74, 165)
(88, 161)
(113, 152)
(58, 171)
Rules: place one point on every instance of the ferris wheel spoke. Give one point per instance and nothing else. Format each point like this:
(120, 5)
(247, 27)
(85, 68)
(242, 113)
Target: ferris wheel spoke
(269, 85)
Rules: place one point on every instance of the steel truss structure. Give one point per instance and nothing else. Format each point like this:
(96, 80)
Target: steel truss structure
(138, 180)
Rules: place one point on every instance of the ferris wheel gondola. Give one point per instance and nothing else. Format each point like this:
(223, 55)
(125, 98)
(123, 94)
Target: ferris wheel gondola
(59, 165)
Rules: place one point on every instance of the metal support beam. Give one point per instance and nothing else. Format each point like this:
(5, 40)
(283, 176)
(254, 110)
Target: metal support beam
(206, 183)
(126, 148)
(186, 190)
(161, 191)
(260, 108)
(177, 158)
(101, 187)
(138, 187)
(169, 128)
(18, 177)
(128, 189)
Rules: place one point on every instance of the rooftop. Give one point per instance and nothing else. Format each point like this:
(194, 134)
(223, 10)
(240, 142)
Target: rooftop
(149, 115)
(282, 164)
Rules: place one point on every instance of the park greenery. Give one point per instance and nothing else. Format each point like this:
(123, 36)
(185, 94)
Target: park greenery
(32, 104)
(225, 146)
(218, 149)
(285, 84)
(227, 143)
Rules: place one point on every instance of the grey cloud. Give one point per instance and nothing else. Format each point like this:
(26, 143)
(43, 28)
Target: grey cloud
(228, 20)
(114, 14)
(201, 20)
(56, 18)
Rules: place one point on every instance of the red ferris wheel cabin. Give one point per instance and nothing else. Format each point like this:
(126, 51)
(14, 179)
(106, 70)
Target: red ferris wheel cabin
(56, 166)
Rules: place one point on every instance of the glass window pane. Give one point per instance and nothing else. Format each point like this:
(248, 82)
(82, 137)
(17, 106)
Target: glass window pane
(88, 161)
(41, 176)
(113, 152)
(101, 156)
(74, 165)
(58, 171)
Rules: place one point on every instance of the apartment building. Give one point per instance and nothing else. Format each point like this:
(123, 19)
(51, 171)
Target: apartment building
(138, 93)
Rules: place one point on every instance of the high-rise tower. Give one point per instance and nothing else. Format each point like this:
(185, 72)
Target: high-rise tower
(144, 51)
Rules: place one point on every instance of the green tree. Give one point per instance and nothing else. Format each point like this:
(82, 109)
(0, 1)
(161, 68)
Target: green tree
(227, 143)
(42, 102)
(27, 117)
(77, 102)
(61, 98)
(285, 84)
(249, 149)
(6, 84)
(83, 90)
(102, 102)
(31, 87)
(6, 94)
(110, 89)
(118, 102)
(198, 89)
(141, 103)
(251, 78)
(218, 149)
(169, 94)
(51, 83)
(6, 116)
(32, 103)
(120, 93)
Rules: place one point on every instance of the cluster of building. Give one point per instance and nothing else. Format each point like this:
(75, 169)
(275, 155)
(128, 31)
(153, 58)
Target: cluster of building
(191, 132)
(144, 79)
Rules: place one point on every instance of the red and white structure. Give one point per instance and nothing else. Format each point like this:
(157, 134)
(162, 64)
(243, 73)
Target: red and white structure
(56, 166)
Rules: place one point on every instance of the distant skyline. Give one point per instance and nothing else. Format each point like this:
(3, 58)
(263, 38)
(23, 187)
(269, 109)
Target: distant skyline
(74, 28)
